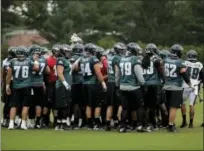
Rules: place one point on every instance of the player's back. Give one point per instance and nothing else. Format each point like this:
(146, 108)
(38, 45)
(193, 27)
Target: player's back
(173, 66)
(193, 69)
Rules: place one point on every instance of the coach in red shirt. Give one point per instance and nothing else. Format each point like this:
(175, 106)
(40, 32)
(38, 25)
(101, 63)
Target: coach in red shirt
(50, 81)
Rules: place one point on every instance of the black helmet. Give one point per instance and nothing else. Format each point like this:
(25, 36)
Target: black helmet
(12, 52)
(99, 52)
(44, 50)
(192, 55)
(65, 51)
(151, 48)
(164, 54)
(78, 49)
(177, 50)
(90, 48)
(21, 52)
(134, 48)
(35, 49)
(119, 48)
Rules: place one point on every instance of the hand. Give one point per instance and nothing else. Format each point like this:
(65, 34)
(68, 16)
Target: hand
(104, 86)
(66, 85)
(8, 90)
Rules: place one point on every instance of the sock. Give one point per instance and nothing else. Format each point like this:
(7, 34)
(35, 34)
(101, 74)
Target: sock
(11, 121)
(23, 122)
(90, 123)
(184, 118)
(191, 121)
(107, 123)
(97, 121)
(38, 119)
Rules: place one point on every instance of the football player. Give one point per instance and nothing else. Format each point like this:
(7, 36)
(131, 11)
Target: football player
(175, 72)
(38, 94)
(77, 92)
(90, 67)
(154, 75)
(194, 69)
(129, 78)
(20, 68)
(63, 87)
(5, 97)
(50, 81)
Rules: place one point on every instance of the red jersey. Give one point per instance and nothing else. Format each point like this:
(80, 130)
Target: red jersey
(51, 62)
(104, 65)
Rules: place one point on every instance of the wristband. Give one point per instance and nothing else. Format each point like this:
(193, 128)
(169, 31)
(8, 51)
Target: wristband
(7, 86)
(36, 62)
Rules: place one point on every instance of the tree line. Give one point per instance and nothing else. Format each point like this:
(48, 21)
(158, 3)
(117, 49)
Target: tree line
(105, 22)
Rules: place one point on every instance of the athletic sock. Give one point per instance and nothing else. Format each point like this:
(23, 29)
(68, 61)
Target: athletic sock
(184, 118)
(97, 121)
(191, 121)
(108, 123)
(90, 122)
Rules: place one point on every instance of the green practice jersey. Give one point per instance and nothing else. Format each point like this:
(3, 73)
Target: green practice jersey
(77, 76)
(21, 71)
(37, 77)
(61, 61)
(172, 72)
(151, 74)
(112, 61)
(127, 74)
(87, 68)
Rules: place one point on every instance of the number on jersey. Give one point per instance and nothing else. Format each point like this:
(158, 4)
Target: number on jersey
(125, 68)
(24, 71)
(194, 72)
(110, 68)
(170, 70)
(85, 68)
(150, 69)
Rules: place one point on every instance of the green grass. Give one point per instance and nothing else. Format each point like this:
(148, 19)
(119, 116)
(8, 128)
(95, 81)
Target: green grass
(186, 139)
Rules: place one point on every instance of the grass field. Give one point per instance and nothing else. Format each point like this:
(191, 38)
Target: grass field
(186, 139)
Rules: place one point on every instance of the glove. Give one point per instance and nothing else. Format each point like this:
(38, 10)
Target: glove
(104, 86)
(66, 85)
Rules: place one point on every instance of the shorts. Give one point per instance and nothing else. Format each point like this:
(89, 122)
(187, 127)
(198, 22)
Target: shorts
(50, 95)
(77, 94)
(174, 98)
(62, 97)
(188, 93)
(111, 94)
(38, 96)
(21, 97)
(131, 100)
(92, 95)
(153, 96)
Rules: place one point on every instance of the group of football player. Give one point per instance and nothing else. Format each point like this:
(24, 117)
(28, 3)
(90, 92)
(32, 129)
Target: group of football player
(82, 85)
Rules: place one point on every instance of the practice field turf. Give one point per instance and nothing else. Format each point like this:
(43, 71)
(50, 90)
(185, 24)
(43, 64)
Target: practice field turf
(186, 139)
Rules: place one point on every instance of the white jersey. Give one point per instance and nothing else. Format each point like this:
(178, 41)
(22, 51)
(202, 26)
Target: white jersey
(193, 69)
(5, 63)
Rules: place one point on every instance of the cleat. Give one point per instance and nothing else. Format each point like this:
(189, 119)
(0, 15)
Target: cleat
(184, 124)
(190, 126)
(122, 130)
